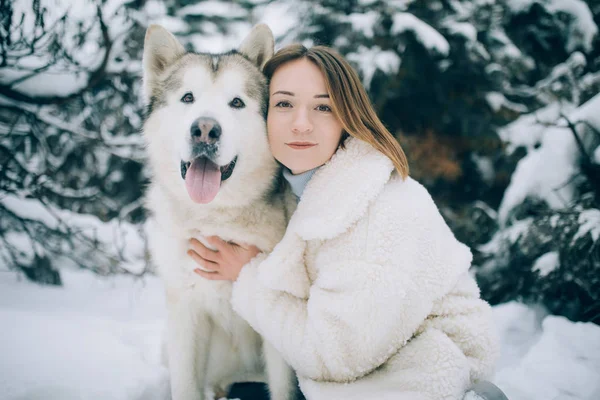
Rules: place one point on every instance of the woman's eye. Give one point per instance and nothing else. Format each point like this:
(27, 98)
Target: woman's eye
(283, 104)
(324, 108)
(187, 98)
(237, 103)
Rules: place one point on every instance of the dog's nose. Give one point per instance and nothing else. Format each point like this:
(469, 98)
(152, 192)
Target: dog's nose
(205, 130)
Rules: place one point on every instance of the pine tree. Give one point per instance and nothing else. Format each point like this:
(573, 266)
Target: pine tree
(70, 151)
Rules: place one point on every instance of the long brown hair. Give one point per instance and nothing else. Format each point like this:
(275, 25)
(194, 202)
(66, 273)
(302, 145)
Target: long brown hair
(351, 104)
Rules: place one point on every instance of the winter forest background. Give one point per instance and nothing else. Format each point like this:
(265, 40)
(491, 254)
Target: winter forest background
(494, 101)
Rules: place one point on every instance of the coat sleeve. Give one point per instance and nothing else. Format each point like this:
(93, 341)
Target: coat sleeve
(359, 311)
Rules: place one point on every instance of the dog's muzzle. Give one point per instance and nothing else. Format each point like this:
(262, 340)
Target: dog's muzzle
(226, 170)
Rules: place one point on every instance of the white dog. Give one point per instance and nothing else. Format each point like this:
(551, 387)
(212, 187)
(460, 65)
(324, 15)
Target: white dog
(212, 174)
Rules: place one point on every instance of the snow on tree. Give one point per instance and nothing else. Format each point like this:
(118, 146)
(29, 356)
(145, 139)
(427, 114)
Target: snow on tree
(547, 249)
(70, 149)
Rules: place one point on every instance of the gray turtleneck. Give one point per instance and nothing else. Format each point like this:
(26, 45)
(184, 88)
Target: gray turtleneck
(298, 182)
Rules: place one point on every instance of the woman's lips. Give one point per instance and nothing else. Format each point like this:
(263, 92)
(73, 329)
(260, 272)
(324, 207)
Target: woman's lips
(300, 146)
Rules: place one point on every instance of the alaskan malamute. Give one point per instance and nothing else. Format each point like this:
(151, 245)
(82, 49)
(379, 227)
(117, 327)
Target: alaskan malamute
(212, 174)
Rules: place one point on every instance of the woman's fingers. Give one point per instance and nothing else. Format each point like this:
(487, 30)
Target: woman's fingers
(213, 276)
(203, 251)
(206, 264)
(218, 243)
(223, 246)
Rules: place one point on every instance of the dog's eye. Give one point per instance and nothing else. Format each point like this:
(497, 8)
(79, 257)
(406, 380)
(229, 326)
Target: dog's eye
(187, 98)
(237, 103)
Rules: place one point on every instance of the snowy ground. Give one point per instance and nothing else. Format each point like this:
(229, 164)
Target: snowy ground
(100, 339)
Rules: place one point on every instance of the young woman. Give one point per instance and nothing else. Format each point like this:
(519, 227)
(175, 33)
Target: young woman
(368, 294)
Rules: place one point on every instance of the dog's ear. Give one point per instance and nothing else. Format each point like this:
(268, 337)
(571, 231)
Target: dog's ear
(259, 45)
(161, 49)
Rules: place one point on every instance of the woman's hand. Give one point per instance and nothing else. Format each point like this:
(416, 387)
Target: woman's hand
(224, 263)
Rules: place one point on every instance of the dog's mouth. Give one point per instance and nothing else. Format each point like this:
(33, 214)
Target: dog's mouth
(226, 170)
(203, 178)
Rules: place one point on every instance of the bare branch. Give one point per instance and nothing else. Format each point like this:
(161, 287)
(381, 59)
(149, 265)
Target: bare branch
(572, 127)
(93, 79)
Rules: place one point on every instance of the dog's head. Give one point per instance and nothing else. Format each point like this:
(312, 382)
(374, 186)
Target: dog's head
(205, 128)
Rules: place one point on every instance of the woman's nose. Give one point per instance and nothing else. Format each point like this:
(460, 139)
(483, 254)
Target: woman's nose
(301, 123)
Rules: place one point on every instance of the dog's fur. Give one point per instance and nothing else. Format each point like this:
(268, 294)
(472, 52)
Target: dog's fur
(208, 346)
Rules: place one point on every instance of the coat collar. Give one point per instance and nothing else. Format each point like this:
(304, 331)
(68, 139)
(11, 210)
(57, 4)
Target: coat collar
(340, 192)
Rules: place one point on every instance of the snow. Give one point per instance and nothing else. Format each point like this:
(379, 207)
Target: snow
(281, 16)
(588, 112)
(23, 247)
(116, 241)
(366, 2)
(508, 47)
(496, 101)
(546, 263)
(464, 29)
(102, 338)
(53, 83)
(519, 6)
(425, 34)
(363, 22)
(506, 51)
(567, 71)
(589, 222)
(172, 24)
(532, 177)
(533, 125)
(582, 28)
(485, 166)
(63, 78)
(371, 59)
(155, 8)
(211, 38)
(561, 361)
(518, 327)
(214, 9)
(216, 42)
(93, 339)
(509, 234)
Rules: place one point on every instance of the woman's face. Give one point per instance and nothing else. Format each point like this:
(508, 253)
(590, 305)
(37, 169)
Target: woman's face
(303, 132)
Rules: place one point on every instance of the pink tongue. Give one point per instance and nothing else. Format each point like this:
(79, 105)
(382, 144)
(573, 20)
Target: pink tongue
(203, 180)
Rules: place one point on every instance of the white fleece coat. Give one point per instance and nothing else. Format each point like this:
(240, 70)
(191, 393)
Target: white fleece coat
(368, 293)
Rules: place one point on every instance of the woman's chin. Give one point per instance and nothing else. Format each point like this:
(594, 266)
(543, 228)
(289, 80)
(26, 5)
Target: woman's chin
(300, 170)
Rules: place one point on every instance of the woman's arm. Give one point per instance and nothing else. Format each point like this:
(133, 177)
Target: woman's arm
(357, 315)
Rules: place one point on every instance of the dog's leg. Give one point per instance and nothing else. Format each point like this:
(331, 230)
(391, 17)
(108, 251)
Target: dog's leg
(280, 377)
(188, 331)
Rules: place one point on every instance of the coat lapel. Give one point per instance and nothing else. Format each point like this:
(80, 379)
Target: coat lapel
(340, 192)
(336, 197)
